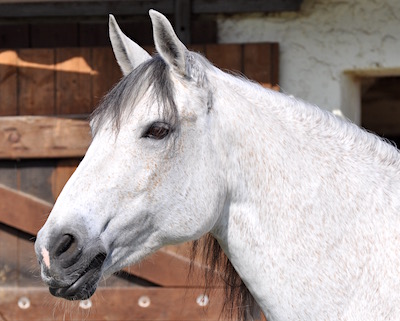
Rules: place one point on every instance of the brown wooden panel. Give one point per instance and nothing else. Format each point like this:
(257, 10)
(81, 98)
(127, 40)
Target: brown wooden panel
(8, 83)
(28, 268)
(73, 81)
(198, 48)
(227, 56)
(63, 171)
(8, 257)
(52, 35)
(14, 35)
(43, 137)
(36, 81)
(9, 173)
(170, 270)
(35, 178)
(22, 211)
(107, 72)
(257, 62)
(204, 31)
(113, 304)
(93, 34)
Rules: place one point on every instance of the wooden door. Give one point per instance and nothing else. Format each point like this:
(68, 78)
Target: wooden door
(46, 96)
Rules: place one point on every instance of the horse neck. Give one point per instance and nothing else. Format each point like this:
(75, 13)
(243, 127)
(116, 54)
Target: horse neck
(288, 166)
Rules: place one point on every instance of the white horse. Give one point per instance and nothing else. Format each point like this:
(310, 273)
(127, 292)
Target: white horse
(304, 204)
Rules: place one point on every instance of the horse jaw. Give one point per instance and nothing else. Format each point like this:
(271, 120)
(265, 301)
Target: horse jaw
(129, 54)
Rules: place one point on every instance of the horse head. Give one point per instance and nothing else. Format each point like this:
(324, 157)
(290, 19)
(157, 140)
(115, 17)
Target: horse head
(151, 175)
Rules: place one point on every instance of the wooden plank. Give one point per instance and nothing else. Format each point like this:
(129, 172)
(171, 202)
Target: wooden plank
(35, 178)
(9, 173)
(63, 171)
(169, 269)
(43, 137)
(14, 35)
(275, 66)
(199, 48)
(107, 72)
(36, 77)
(93, 34)
(53, 35)
(9, 9)
(225, 56)
(243, 6)
(28, 213)
(8, 257)
(257, 62)
(122, 304)
(8, 83)
(28, 268)
(73, 81)
(22, 211)
(204, 31)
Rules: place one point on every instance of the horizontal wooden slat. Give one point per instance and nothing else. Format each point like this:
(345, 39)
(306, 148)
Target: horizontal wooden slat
(28, 213)
(111, 304)
(22, 211)
(34, 8)
(43, 137)
(171, 270)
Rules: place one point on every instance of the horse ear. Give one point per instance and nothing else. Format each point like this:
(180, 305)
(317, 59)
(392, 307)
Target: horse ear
(129, 55)
(170, 48)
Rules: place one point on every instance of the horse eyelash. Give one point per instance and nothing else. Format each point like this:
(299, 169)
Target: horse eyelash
(166, 126)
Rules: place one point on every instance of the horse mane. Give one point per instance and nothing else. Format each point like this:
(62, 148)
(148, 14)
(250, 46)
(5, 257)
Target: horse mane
(238, 302)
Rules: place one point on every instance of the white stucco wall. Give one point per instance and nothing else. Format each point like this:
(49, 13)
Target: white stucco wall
(326, 46)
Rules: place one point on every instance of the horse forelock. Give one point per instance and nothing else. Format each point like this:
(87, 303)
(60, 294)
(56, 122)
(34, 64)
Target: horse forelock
(119, 103)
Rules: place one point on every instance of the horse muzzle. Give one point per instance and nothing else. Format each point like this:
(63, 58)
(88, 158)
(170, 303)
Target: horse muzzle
(71, 263)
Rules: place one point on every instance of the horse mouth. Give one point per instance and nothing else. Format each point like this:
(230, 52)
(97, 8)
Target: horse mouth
(86, 284)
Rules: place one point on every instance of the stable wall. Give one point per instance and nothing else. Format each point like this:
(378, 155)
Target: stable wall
(327, 47)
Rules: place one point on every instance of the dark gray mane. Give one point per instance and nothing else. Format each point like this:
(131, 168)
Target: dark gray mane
(123, 97)
(116, 106)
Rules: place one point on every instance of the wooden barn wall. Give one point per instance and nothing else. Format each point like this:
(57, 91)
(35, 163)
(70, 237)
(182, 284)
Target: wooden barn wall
(56, 33)
(46, 95)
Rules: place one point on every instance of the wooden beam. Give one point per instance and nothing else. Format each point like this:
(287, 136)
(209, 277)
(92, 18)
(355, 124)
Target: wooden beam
(22, 211)
(43, 137)
(171, 270)
(82, 8)
(122, 304)
(28, 213)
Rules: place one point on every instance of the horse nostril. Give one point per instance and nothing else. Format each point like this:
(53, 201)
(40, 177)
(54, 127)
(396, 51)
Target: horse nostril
(67, 244)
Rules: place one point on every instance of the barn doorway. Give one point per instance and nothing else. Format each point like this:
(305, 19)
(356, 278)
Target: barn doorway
(380, 106)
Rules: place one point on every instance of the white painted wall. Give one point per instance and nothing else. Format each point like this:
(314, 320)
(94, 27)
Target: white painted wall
(326, 47)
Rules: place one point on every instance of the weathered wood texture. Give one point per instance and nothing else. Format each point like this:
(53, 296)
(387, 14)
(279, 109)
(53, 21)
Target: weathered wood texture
(80, 32)
(43, 137)
(22, 211)
(60, 81)
(140, 303)
(46, 149)
(124, 7)
(27, 213)
(66, 81)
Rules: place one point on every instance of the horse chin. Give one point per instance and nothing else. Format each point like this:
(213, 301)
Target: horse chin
(85, 286)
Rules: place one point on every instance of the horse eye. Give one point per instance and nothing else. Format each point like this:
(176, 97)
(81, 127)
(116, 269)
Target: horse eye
(157, 131)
